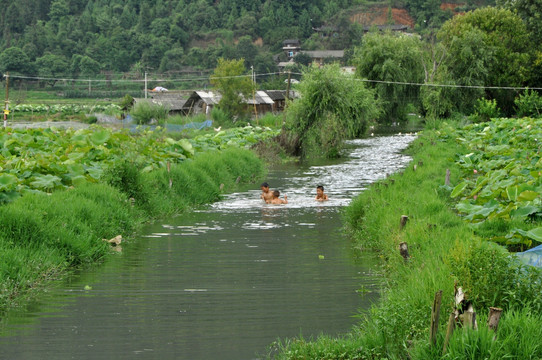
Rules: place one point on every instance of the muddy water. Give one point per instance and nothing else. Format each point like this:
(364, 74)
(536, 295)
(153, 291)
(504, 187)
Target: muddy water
(223, 282)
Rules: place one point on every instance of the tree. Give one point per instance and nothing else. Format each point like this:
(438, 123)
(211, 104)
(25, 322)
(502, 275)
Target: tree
(247, 50)
(530, 12)
(393, 61)
(332, 107)
(489, 47)
(303, 59)
(172, 60)
(52, 66)
(264, 64)
(59, 10)
(89, 67)
(14, 59)
(228, 79)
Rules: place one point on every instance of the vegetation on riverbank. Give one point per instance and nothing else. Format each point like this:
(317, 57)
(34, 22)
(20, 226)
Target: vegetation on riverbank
(44, 234)
(444, 251)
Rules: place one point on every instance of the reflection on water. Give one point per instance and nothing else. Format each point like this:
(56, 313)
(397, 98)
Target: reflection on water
(222, 282)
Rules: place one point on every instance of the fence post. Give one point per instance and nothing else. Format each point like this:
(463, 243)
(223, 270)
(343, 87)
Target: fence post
(435, 314)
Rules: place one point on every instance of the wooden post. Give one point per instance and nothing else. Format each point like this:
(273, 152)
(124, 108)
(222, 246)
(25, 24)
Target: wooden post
(435, 314)
(494, 317)
(287, 98)
(449, 331)
(404, 220)
(168, 171)
(6, 102)
(468, 319)
(447, 180)
(403, 250)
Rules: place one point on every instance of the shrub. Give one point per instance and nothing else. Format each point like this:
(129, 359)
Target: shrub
(126, 102)
(91, 119)
(529, 104)
(485, 110)
(144, 112)
(220, 117)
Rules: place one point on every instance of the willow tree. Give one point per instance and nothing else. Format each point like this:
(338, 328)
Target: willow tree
(391, 62)
(332, 107)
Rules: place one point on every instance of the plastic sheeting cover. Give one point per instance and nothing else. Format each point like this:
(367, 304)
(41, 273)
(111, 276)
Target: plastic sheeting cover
(532, 256)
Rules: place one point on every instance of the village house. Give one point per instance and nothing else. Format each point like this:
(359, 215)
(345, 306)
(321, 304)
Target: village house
(172, 101)
(325, 31)
(202, 102)
(321, 56)
(291, 48)
(394, 28)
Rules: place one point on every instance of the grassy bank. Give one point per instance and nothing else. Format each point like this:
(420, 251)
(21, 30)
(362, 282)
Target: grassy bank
(444, 251)
(44, 235)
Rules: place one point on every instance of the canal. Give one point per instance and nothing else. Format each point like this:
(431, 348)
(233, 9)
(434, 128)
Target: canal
(224, 281)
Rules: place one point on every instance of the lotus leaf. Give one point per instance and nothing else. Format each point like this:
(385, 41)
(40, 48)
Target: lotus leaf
(512, 193)
(7, 182)
(95, 172)
(46, 182)
(78, 180)
(459, 189)
(187, 146)
(100, 137)
(524, 211)
(528, 195)
(534, 234)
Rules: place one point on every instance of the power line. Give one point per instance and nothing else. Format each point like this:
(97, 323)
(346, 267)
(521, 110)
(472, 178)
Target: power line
(207, 78)
(278, 73)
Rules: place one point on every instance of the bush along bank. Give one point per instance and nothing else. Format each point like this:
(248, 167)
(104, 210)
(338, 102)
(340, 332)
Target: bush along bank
(444, 252)
(44, 235)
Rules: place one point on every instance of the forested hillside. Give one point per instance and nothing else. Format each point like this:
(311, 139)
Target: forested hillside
(79, 38)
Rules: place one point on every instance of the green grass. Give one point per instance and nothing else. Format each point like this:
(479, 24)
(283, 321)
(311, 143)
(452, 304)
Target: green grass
(42, 236)
(444, 250)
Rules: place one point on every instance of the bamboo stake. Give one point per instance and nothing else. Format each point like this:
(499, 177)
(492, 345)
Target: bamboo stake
(447, 180)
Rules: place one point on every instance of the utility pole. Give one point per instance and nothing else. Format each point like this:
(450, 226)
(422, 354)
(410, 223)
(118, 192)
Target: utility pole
(288, 87)
(287, 97)
(6, 103)
(145, 84)
(254, 94)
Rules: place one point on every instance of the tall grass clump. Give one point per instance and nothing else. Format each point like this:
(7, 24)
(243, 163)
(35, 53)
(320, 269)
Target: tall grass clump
(270, 120)
(194, 182)
(517, 337)
(43, 235)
